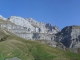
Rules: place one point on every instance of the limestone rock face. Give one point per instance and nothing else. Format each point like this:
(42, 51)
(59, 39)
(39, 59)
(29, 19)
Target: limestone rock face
(41, 27)
(33, 26)
(70, 36)
(29, 28)
(21, 22)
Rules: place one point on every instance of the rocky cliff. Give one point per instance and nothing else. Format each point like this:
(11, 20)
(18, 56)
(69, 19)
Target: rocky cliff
(29, 28)
(33, 26)
(70, 37)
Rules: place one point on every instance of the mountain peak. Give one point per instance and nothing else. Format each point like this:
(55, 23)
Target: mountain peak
(1, 17)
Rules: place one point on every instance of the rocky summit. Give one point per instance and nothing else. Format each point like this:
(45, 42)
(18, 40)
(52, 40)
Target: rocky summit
(30, 29)
(70, 36)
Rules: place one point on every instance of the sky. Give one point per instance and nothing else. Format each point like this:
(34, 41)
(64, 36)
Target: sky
(59, 13)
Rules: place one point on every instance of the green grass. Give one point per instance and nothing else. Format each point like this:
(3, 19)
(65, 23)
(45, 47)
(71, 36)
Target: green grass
(15, 46)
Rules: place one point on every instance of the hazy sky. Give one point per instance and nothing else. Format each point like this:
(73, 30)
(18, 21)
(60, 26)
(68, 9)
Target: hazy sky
(57, 12)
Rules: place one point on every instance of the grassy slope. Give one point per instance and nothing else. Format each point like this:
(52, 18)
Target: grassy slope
(15, 46)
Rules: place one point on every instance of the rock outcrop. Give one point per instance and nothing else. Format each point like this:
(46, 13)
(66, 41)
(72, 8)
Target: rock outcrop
(15, 58)
(33, 26)
(70, 36)
(29, 28)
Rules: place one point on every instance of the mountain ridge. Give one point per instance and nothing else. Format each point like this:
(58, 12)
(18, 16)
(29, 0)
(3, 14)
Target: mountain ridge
(30, 29)
(14, 47)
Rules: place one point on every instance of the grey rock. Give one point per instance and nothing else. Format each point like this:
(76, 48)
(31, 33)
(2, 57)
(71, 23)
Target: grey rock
(29, 28)
(70, 36)
(15, 58)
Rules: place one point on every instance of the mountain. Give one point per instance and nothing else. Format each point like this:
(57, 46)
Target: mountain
(30, 29)
(33, 26)
(17, 48)
(27, 39)
(70, 37)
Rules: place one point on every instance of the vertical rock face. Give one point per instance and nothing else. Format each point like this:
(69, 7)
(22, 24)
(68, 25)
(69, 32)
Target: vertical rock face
(70, 36)
(21, 22)
(34, 26)
(29, 28)
(43, 27)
